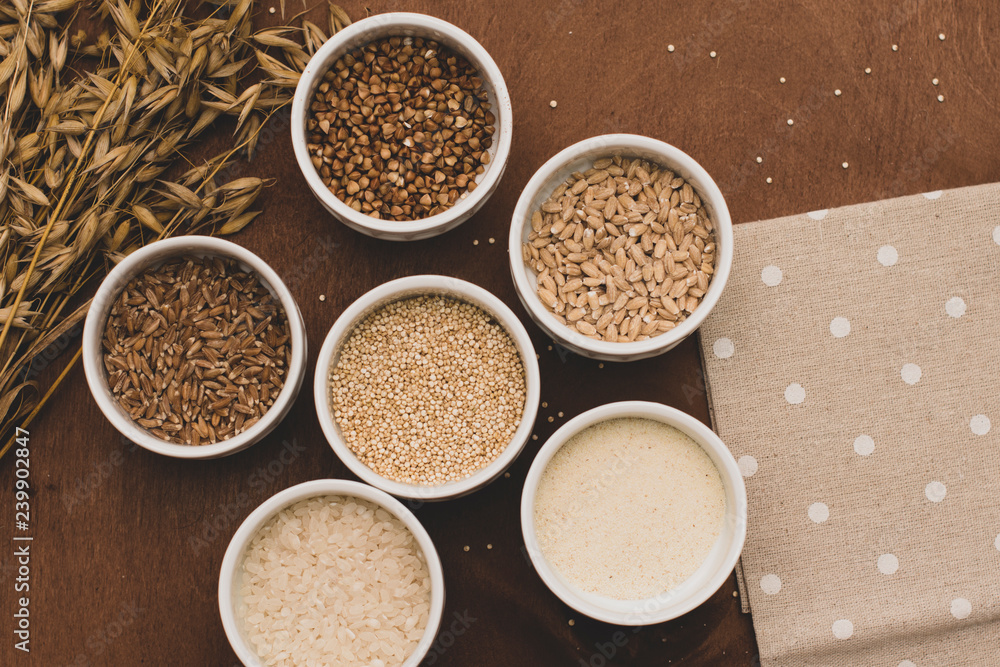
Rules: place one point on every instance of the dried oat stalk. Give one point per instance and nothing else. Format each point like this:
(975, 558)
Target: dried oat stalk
(89, 153)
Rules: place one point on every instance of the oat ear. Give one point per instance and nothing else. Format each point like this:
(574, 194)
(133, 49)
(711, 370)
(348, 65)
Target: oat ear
(86, 157)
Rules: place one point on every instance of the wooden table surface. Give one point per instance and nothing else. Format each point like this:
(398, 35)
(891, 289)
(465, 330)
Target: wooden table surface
(127, 544)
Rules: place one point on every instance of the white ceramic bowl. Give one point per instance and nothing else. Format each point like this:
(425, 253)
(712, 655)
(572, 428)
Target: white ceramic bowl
(706, 580)
(410, 25)
(229, 576)
(154, 255)
(394, 291)
(580, 157)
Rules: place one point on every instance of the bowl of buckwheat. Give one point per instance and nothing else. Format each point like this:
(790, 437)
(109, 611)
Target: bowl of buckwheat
(620, 246)
(401, 125)
(427, 387)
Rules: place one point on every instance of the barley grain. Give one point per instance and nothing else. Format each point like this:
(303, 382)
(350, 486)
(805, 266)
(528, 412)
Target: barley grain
(622, 256)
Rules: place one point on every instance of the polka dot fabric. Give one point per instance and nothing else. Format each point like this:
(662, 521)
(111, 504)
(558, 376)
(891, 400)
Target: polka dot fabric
(858, 391)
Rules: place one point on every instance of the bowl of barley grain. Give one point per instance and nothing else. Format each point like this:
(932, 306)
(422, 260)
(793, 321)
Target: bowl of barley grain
(194, 348)
(620, 246)
(427, 387)
(401, 125)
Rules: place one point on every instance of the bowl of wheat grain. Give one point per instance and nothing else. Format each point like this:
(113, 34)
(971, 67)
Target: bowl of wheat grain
(194, 348)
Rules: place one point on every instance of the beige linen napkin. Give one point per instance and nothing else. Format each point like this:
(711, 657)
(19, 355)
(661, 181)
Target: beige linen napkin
(853, 367)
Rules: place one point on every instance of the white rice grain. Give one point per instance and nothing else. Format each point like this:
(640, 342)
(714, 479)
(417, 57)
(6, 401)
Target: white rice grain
(334, 580)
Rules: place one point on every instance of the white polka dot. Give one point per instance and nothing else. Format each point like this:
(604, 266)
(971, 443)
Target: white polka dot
(819, 512)
(864, 445)
(933, 195)
(770, 584)
(748, 465)
(771, 275)
(906, 663)
(723, 348)
(996, 234)
(980, 424)
(961, 608)
(840, 327)
(795, 393)
(910, 373)
(935, 492)
(996, 542)
(888, 564)
(818, 215)
(955, 306)
(887, 255)
(843, 629)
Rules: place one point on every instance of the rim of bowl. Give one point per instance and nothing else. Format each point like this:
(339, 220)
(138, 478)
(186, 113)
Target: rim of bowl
(736, 511)
(411, 286)
(317, 488)
(670, 157)
(450, 35)
(155, 254)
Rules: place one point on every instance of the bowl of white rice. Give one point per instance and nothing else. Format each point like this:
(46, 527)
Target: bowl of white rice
(331, 572)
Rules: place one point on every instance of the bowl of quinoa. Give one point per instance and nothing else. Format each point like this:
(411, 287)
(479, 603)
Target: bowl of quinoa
(427, 387)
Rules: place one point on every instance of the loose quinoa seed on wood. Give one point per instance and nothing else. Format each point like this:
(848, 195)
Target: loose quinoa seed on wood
(623, 251)
(400, 128)
(428, 390)
(196, 350)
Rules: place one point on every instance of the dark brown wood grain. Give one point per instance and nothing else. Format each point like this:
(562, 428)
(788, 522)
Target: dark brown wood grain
(127, 544)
